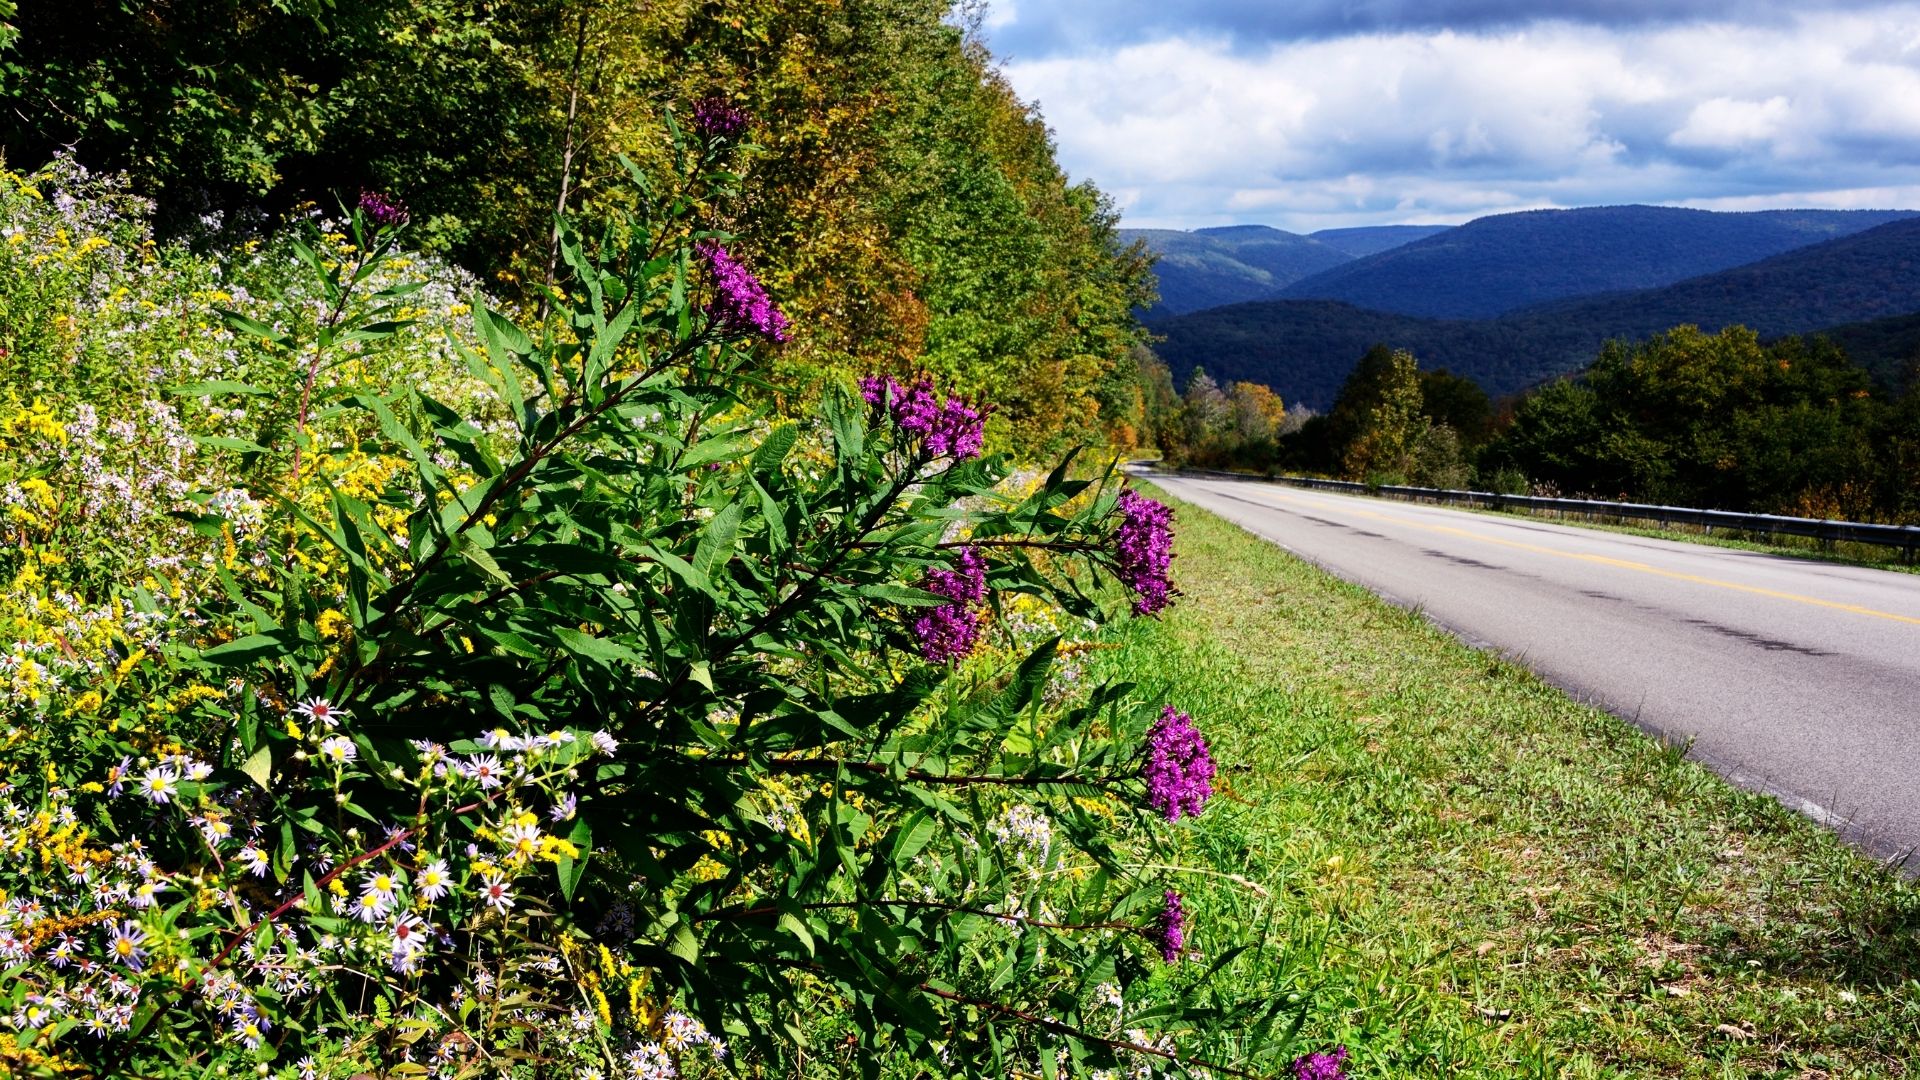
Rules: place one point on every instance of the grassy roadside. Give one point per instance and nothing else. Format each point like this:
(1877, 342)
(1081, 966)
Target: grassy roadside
(1472, 875)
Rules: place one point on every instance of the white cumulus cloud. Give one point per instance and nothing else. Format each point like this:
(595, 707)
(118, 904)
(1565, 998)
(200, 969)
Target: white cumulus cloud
(1444, 125)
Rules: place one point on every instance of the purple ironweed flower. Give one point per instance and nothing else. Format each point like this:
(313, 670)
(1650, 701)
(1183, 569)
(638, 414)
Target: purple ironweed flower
(382, 210)
(1179, 769)
(1169, 931)
(1321, 1065)
(950, 631)
(740, 302)
(959, 431)
(952, 428)
(1142, 550)
(717, 118)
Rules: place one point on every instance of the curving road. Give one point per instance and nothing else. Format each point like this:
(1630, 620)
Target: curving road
(1795, 677)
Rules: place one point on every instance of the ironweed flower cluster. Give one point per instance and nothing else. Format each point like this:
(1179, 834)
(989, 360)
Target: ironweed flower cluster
(714, 117)
(950, 631)
(1143, 550)
(952, 427)
(740, 303)
(383, 210)
(1179, 769)
(1324, 1065)
(1170, 930)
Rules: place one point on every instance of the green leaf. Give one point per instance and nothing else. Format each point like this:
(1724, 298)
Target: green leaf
(716, 541)
(247, 650)
(259, 768)
(255, 327)
(796, 926)
(597, 649)
(481, 558)
(902, 594)
(570, 870)
(718, 448)
(775, 448)
(215, 388)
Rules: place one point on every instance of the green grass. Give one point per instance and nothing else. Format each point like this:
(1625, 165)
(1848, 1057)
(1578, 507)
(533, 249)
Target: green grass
(1470, 874)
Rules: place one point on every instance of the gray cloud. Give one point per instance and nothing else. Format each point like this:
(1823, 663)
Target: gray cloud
(1446, 124)
(1029, 29)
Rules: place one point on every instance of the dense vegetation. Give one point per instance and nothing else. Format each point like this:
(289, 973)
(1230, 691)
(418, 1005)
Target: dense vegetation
(1209, 267)
(1501, 263)
(1725, 421)
(400, 684)
(1685, 417)
(506, 571)
(882, 135)
(1305, 347)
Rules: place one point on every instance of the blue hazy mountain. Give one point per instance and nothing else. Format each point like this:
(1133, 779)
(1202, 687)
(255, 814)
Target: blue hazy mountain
(1304, 348)
(1502, 263)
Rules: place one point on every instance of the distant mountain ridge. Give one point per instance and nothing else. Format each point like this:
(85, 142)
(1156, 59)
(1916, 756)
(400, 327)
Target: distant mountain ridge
(1499, 264)
(1373, 239)
(1304, 348)
(1229, 264)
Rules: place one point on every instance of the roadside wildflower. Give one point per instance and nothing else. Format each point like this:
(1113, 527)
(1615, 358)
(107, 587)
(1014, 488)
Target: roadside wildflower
(382, 210)
(433, 881)
(117, 777)
(740, 302)
(338, 749)
(1169, 931)
(603, 743)
(484, 770)
(160, 785)
(381, 884)
(372, 906)
(322, 712)
(649, 1061)
(683, 1032)
(1142, 551)
(250, 1028)
(254, 860)
(125, 945)
(716, 118)
(959, 432)
(407, 935)
(497, 895)
(1179, 770)
(951, 428)
(950, 631)
(1326, 1065)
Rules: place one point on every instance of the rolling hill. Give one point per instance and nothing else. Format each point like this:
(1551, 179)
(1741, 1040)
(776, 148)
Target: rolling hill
(1304, 348)
(1495, 265)
(1373, 239)
(1226, 265)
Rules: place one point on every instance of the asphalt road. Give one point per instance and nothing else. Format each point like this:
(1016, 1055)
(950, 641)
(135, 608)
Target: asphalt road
(1790, 676)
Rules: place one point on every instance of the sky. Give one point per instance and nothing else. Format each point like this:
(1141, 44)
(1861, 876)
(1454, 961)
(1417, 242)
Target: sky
(1314, 114)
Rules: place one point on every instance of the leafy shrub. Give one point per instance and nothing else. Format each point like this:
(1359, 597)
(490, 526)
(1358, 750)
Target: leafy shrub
(592, 723)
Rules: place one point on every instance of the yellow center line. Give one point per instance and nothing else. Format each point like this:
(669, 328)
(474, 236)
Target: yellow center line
(1604, 560)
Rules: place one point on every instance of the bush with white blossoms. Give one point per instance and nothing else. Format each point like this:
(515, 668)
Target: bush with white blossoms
(595, 734)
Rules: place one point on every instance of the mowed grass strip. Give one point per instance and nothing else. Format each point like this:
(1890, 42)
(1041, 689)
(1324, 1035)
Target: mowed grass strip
(1467, 873)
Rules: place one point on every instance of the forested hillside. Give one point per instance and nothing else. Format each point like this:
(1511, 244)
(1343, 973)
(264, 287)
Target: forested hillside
(1229, 264)
(1501, 263)
(882, 134)
(1373, 239)
(1305, 347)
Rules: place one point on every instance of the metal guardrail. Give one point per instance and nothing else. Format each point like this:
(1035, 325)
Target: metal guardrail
(1904, 537)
